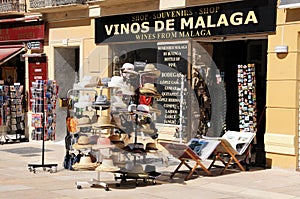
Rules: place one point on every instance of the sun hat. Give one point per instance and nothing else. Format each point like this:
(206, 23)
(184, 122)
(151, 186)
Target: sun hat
(116, 140)
(82, 143)
(104, 122)
(85, 163)
(151, 147)
(83, 102)
(137, 171)
(107, 165)
(83, 121)
(150, 70)
(116, 81)
(128, 68)
(149, 89)
(142, 109)
(135, 148)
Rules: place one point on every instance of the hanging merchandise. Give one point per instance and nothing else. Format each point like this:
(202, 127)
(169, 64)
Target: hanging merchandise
(44, 96)
(247, 98)
(12, 115)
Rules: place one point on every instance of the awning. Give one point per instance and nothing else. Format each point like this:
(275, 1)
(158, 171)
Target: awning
(9, 51)
(289, 4)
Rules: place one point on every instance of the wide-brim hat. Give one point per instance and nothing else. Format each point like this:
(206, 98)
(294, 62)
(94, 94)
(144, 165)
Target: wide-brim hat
(135, 148)
(149, 89)
(85, 163)
(137, 171)
(128, 68)
(104, 122)
(150, 69)
(82, 143)
(83, 121)
(151, 147)
(116, 81)
(101, 100)
(142, 109)
(83, 102)
(107, 165)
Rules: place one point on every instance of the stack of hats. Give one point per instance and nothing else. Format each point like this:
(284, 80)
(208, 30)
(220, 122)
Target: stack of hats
(85, 163)
(117, 82)
(128, 71)
(82, 143)
(137, 172)
(135, 148)
(150, 70)
(149, 90)
(101, 103)
(107, 165)
(104, 122)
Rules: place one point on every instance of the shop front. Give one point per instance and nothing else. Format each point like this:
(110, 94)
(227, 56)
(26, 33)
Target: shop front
(212, 63)
(19, 37)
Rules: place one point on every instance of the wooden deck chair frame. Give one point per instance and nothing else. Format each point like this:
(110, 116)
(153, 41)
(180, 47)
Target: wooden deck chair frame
(228, 147)
(218, 156)
(184, 154)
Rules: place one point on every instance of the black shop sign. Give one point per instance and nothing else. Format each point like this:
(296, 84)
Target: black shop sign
(243, 17)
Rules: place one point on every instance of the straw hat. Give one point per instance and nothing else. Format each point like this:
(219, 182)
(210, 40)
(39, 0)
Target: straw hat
(104, 122)
(138, 171)
(151, 147)
(107, 165)
(83, 102)
(149, 89)
(82, 143)
(85, 163)
(116, 81)
(83, 121)
(150, 70)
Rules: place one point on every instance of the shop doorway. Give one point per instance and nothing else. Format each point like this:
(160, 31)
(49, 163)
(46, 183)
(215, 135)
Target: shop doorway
(228, 56)
(66, 73)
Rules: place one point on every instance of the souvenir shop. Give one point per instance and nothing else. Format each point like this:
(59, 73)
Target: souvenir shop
(212, 62)
(17, 38)
(174, 75)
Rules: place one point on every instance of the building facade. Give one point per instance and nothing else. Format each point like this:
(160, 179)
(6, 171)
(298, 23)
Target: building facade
(214, 41)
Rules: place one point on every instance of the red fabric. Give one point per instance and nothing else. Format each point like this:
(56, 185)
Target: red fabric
(145, 100)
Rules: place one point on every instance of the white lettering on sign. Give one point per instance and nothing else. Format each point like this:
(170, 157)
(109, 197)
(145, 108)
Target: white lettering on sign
(186, 22)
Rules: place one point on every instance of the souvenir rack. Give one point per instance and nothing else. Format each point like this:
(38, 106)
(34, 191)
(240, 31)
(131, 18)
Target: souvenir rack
(44, 95)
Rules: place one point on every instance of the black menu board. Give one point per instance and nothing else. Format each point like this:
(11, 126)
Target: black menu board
(172, 62)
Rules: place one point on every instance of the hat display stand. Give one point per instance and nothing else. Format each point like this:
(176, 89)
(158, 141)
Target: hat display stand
(137, 111)
(103, 123)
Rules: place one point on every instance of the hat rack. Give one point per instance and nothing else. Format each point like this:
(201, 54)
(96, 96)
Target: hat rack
(124, 176)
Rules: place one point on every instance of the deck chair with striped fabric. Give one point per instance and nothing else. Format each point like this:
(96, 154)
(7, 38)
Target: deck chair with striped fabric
(232, 144)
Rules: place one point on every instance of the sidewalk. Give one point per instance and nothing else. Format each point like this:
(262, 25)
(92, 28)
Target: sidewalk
(17, 182)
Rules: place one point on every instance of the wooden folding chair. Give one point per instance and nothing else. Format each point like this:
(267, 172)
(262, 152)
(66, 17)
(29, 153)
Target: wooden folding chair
(233, 144)
(185, 154)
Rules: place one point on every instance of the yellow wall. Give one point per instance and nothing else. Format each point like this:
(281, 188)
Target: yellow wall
(282, 121)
